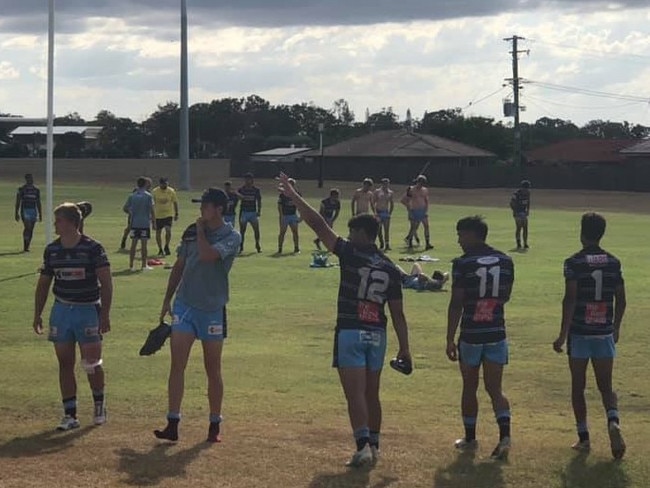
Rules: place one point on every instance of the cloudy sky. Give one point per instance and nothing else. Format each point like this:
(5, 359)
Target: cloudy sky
(122, 55)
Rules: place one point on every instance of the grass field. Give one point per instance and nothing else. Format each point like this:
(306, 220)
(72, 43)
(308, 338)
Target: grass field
(286, 423)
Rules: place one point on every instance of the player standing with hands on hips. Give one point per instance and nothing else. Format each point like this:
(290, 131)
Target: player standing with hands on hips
(83, 292)
(28, 209)
(592, 312)
(481, 286)
(199, 279)
(369, 280)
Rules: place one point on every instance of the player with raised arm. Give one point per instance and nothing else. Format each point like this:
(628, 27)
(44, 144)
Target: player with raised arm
(482, 280)
(233, 199)
(199, 281)
(250, 210)
(419, 206)
(384, 205)
(330, 208)
(166, 210)
(520, 205)
(288, 218)
(592, 312)
(28, 209)
(369, 280)
(83, 292)
(363, 200)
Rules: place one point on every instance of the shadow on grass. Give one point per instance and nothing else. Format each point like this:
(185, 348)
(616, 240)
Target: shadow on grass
(519, 250)
(11, 253)
(17, 277)
(353, 478)
(579, 474)
(43, 443)
(125, 272)
(465, 471)
(151, 468)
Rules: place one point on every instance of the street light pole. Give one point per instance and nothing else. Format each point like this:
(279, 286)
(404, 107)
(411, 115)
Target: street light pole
(321, 128)
(184, 149)
(49, 160)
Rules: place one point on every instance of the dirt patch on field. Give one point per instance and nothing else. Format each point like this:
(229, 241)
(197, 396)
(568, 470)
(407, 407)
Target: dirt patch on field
(207, 172)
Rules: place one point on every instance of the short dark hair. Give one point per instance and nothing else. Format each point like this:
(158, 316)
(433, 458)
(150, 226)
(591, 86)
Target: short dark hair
(367, 223)
(525, 184)
(334, 191)
(475, 224)
(70, 212)
(141, 182)
(227, 183)
(593, 226)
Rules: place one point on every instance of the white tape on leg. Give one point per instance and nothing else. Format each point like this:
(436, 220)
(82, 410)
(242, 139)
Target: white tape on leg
(90, 367)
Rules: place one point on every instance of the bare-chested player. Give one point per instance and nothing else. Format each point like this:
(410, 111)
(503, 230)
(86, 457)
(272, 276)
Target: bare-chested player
(363, 201)
(419, 206)
(384, 206)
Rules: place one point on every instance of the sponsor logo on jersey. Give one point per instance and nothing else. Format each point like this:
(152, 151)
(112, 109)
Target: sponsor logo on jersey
(597, 259)
(70, 274)
(487, 260)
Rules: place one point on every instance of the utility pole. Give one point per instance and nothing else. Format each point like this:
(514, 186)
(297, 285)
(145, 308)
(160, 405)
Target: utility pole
(515, 82)
(184, 129)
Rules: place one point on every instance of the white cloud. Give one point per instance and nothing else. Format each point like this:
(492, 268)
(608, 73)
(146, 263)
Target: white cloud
(8, 71)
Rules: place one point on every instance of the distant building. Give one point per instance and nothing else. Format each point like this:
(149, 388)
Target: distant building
(35, 137)
(581, 152)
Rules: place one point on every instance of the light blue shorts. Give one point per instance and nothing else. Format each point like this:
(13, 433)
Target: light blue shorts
(29, 215)
(384, 215)
(412, 282)
(248, 217)
(419, 214)
(521, 216)
(206, 326)
(290, 219)
(591, 347)
(77, 322)
(229, 219)
(475, 354)
(360, 348)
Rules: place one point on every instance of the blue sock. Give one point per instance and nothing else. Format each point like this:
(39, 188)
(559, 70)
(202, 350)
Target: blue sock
(215, 418)
(583, 431)
(173, 417)
(470, 428)
(70, 406)
(612, 415)
(503, 420)
(374, 438)
(362, 437)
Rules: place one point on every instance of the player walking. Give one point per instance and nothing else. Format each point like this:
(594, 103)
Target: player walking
(28, 209)
(419, 211)
(520, 205)
(363, 200)
(482, 282)
(368, 281)
(199, 279)
(384, 205)
(166, 210)
(250, 210)
(592, 312)
(83, 293)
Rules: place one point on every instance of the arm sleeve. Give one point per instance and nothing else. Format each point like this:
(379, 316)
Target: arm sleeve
(342, 248)
(457, 279)
(569, 271)
(228, 246)
(46, 269)
(395, 287)
(100, 259)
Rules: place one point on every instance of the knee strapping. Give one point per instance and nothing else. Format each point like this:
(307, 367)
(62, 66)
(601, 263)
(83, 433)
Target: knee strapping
(89, 367)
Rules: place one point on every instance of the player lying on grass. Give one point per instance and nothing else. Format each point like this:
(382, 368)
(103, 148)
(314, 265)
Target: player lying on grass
(418, 280)
(369, 280)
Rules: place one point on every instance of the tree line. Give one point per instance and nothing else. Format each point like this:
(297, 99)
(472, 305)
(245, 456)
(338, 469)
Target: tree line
(237, 127)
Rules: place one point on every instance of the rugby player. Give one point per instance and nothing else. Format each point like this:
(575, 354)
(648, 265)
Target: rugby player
(368, 281)
(28, 209)
(330, 208)
(592, 312)
(419, 207)
(199, 281)
(166, 211)
(384, 205)
(233, 200)
(482, 280)
(520, 205)
(363, 200)
(250, 210)
(83, 291)
(288, 218)
(140, 208)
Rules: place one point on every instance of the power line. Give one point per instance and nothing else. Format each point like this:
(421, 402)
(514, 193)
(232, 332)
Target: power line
(639, 58)
(476, 102)
(581, 107)
(588, 92)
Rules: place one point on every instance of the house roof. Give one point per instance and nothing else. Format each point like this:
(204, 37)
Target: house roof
(642, 148)
(89, 131)
(401, 143)
(282, 151)
(581, 151)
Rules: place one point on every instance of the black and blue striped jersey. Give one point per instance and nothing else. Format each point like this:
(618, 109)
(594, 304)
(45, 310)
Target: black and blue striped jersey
(233, 200)
(486, 276)
(598, 274)
(368, 280)
(287, 206)
(250, 195)
(29, 197)
(329, 207)
(75, 269)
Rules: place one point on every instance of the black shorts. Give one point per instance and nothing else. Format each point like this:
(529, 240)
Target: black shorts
(162, 223)
(142, 234)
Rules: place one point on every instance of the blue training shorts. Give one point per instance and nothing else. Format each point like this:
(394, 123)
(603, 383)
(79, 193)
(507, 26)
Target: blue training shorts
(384, 215)
(248, 217)
(359, 348)
(591, 347)
(74, 322)
(290, 219)
(29, 215)
(206, 326)
(475, 354)
(419, 214)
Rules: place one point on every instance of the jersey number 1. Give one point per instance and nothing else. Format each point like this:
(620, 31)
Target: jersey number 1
(495, 272)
